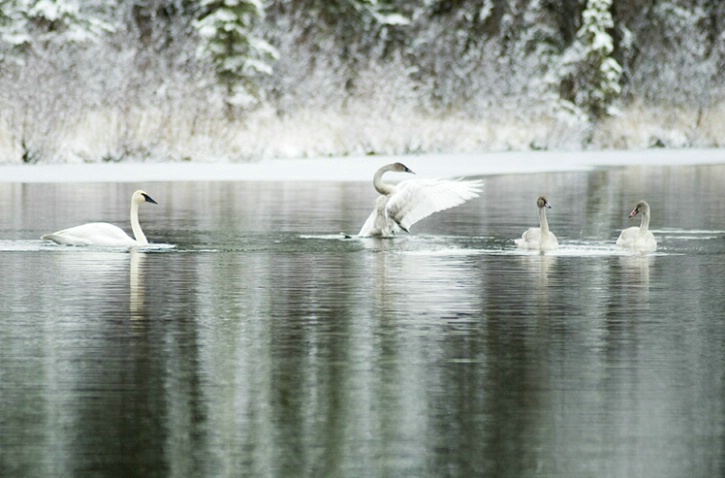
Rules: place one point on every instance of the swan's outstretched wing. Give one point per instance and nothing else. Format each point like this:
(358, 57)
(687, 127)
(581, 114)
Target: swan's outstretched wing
(416, 199)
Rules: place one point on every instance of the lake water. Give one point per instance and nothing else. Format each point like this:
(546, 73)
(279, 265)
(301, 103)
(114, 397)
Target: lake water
(265, 344)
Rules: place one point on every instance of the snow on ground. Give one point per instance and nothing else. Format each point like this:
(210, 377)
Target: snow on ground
(358, 168)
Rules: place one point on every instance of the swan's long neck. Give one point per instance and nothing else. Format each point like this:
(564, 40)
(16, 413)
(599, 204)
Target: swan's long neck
(136, 227)
(543, 222)
(381, 187)
(644, 226)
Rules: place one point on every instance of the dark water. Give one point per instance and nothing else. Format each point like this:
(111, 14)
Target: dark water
(264, 344)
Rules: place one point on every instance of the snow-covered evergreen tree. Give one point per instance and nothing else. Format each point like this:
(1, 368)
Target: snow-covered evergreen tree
(35, 25)
(590, 77)
(226, 28)
(50, 21)
(64, 21)
(13, 28)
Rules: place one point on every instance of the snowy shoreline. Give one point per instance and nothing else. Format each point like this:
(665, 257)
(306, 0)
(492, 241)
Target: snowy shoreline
(358, 168)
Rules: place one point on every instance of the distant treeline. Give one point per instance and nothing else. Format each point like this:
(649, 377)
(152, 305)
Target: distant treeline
(211, 68)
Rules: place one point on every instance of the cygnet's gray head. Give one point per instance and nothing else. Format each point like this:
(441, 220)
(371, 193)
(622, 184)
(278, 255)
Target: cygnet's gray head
(641, 207)
(542, 202)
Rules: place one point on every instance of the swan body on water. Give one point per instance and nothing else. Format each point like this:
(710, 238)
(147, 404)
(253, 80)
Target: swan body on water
(639, 239)
(402, 205)
(539, 238)
(103, 233)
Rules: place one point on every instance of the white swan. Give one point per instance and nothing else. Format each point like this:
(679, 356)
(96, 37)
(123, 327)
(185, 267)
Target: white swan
(539, 238)
(402, 205)
(639, 239)
(104, 234)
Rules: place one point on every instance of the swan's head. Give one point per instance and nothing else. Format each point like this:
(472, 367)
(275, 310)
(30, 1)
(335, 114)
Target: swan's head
(140, 197)
(542, 202)
(641, 207)
(401, 168)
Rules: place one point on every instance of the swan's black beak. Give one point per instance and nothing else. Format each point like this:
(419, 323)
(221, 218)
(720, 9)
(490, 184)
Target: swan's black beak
(410, 171)
(148, 198)
(548, 206)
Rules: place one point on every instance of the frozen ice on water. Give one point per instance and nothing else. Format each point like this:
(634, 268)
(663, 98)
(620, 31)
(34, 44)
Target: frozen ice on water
(356, 169)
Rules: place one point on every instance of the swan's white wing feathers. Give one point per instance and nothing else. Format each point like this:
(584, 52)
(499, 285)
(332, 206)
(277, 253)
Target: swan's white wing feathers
(378, 223)
(530, 239)
(649, 243)
(92, 234)
(627, 237)
(416, 199)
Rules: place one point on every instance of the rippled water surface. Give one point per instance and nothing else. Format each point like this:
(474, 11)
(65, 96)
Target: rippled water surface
(265, 344)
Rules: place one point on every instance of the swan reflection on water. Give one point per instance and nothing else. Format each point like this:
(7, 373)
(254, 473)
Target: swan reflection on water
(636, 279)
(636, 269)
(137, 284)
(539, 267)
(412, 279)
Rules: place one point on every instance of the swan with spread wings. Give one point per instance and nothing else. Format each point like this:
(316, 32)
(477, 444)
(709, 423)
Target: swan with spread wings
(402, 205)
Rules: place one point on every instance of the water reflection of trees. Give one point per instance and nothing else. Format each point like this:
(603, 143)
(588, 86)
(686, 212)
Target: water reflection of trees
(316, 356)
